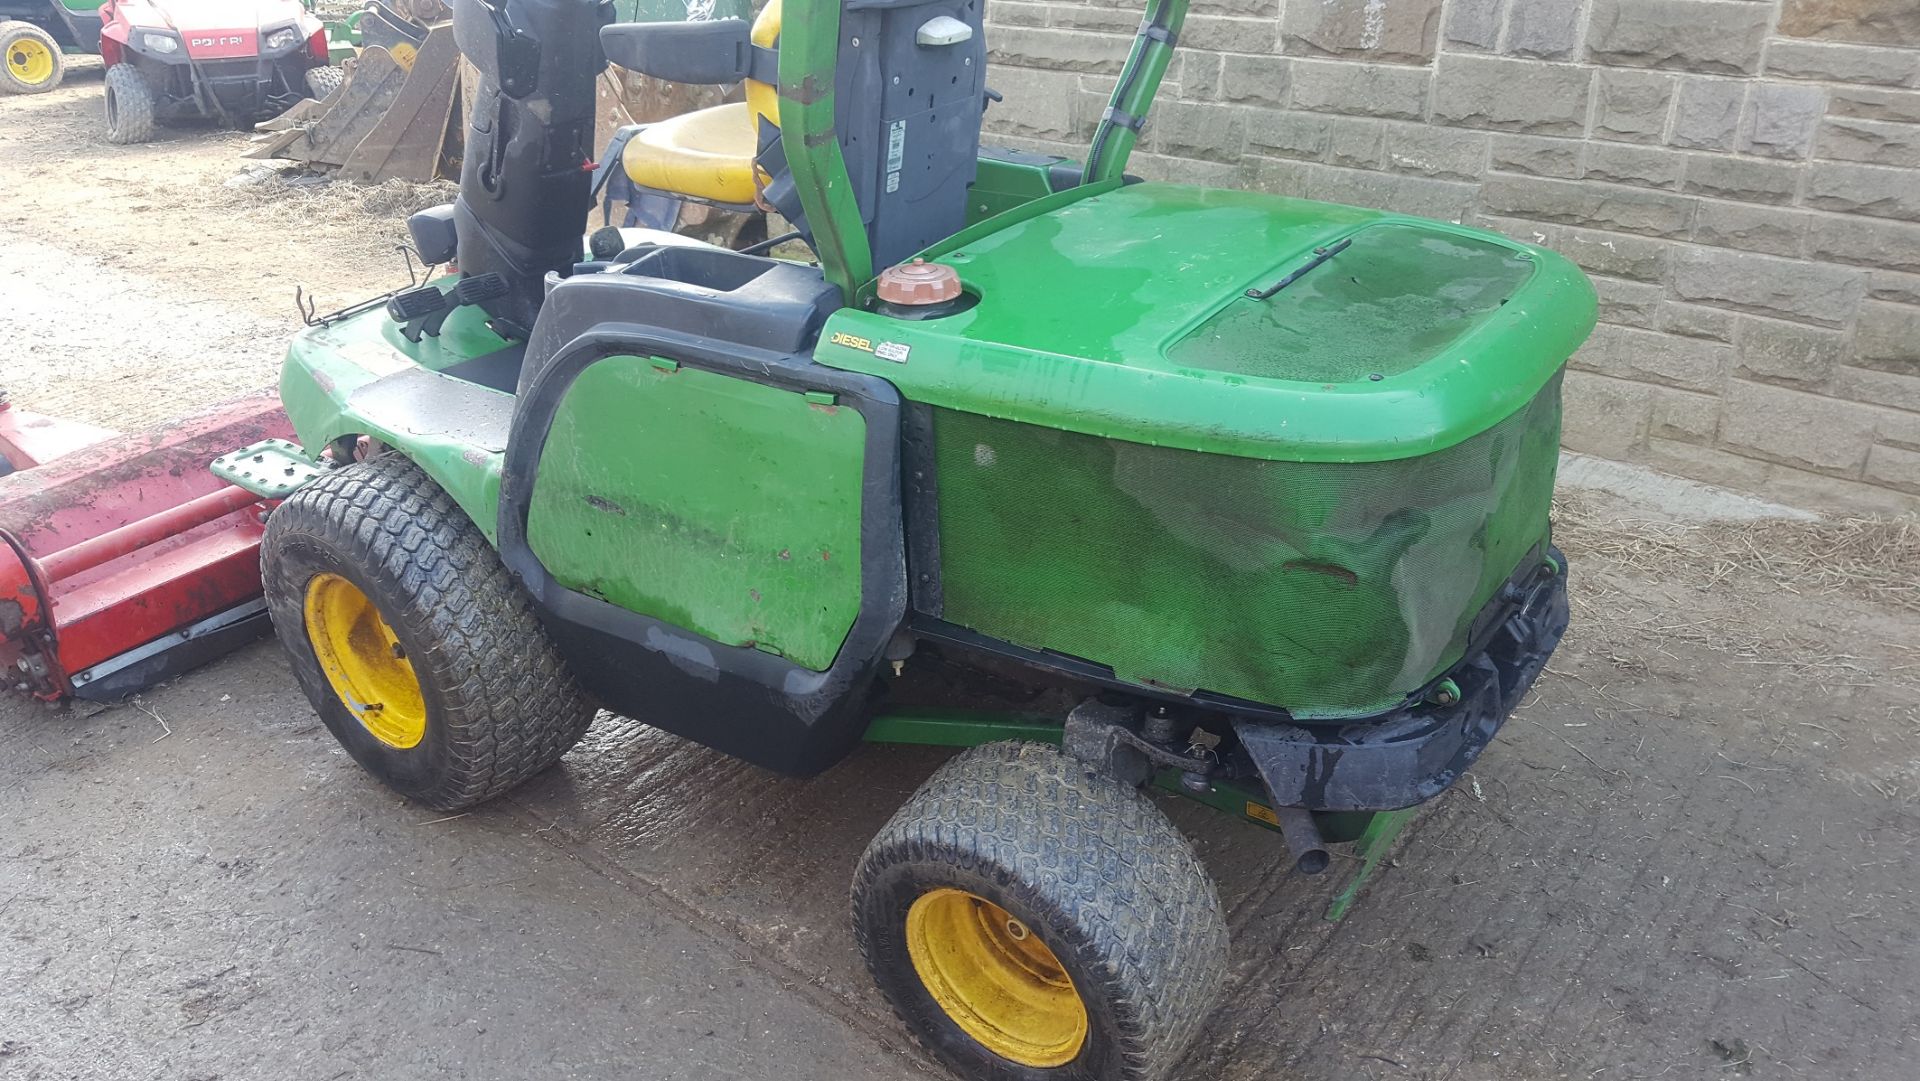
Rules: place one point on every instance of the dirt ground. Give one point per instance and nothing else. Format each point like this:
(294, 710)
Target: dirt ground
(1690, 855)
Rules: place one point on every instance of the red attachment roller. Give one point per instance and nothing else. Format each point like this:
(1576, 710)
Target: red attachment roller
(122, 559)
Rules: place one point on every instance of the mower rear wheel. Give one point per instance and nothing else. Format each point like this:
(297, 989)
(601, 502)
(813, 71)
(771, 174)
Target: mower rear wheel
(30, 60)
(322, 81)
(415, 646)
(129, 104)
(1033, 920)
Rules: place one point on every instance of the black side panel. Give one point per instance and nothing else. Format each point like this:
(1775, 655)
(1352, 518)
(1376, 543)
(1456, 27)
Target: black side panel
(922, 501)
(749, 704)
(765, 306)
(182, 651)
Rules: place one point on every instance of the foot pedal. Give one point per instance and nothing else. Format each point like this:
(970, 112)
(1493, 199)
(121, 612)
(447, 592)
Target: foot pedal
(415, 304)
(467, 291)
(419, 311)
(479, 289)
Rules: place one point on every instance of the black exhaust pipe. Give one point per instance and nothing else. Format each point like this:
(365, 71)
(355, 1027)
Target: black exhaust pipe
(1310, 856)
(525, 177)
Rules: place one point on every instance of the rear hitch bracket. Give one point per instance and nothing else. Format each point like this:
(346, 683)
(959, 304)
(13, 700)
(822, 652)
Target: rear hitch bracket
(1107, 737)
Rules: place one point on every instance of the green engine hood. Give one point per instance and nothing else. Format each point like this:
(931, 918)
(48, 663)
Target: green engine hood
(1125, 313)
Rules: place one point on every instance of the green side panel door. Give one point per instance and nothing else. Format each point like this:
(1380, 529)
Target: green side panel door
(725, 507)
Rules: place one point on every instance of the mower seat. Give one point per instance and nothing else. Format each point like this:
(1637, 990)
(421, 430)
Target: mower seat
(709, 154)
(706, 154)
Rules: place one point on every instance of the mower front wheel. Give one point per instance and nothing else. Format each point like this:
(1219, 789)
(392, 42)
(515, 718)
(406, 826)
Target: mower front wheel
(1033, 920)
(30, 60)
(129, 104)
(415, 646)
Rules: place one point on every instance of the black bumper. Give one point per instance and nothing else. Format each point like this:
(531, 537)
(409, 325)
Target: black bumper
(1409, 756)
(235, 89)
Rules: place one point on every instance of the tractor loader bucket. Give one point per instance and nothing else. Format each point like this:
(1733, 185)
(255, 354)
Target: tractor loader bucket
(123, 561)
(373, 82)
(393, 117)
(409, 137)
(386, 28)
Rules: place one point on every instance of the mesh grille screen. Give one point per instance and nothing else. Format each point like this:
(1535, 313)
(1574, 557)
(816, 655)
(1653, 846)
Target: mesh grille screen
(1330, 589)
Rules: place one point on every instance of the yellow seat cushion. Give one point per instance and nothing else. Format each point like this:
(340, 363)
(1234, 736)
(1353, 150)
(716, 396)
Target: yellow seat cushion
(707, 154)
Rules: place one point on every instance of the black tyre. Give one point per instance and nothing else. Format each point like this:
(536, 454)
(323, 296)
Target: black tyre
(323, 81)
(129, 103)
(30, 60)
(414, 645)
(1031, 920)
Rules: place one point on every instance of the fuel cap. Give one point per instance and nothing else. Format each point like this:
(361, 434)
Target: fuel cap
(919, 283)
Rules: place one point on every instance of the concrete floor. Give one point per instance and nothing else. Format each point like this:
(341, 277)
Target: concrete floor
(1646, 877)
(235, 901)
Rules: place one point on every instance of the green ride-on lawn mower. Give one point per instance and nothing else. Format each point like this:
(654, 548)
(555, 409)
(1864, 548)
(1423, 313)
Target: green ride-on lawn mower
(1127, 484)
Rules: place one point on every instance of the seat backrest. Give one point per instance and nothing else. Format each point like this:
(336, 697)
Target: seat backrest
(909, 91)
(764, 98)
(910, 95)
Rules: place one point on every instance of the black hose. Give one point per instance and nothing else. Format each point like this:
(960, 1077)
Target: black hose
(36, 581)
(769, 245)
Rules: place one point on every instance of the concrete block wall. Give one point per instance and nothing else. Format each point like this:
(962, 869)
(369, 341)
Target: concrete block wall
(1741, 178)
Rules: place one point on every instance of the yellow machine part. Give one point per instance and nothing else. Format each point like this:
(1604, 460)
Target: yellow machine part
(364, 663)
(709, 154)
(995, 979)
(30, 61)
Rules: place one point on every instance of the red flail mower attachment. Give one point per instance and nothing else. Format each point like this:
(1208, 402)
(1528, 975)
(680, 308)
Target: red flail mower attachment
(123, 561)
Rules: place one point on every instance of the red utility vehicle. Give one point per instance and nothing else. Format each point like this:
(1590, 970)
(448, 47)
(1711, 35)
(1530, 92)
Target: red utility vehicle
(237, 61)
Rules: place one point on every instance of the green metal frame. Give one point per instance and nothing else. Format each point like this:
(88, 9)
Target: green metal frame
(1134, 91)
(809, 58)
(1383, 828)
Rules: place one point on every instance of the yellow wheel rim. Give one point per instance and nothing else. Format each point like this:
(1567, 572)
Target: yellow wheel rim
(995, 979)
(30, 62)
(364, 662)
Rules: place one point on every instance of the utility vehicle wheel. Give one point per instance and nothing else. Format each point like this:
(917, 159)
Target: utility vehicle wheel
(129, 105)
(30, 60)
(414, 645)
(1030, 919)
(324, 80)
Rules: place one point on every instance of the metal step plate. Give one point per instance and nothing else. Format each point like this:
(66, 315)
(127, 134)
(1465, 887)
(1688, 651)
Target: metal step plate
(270, 469)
